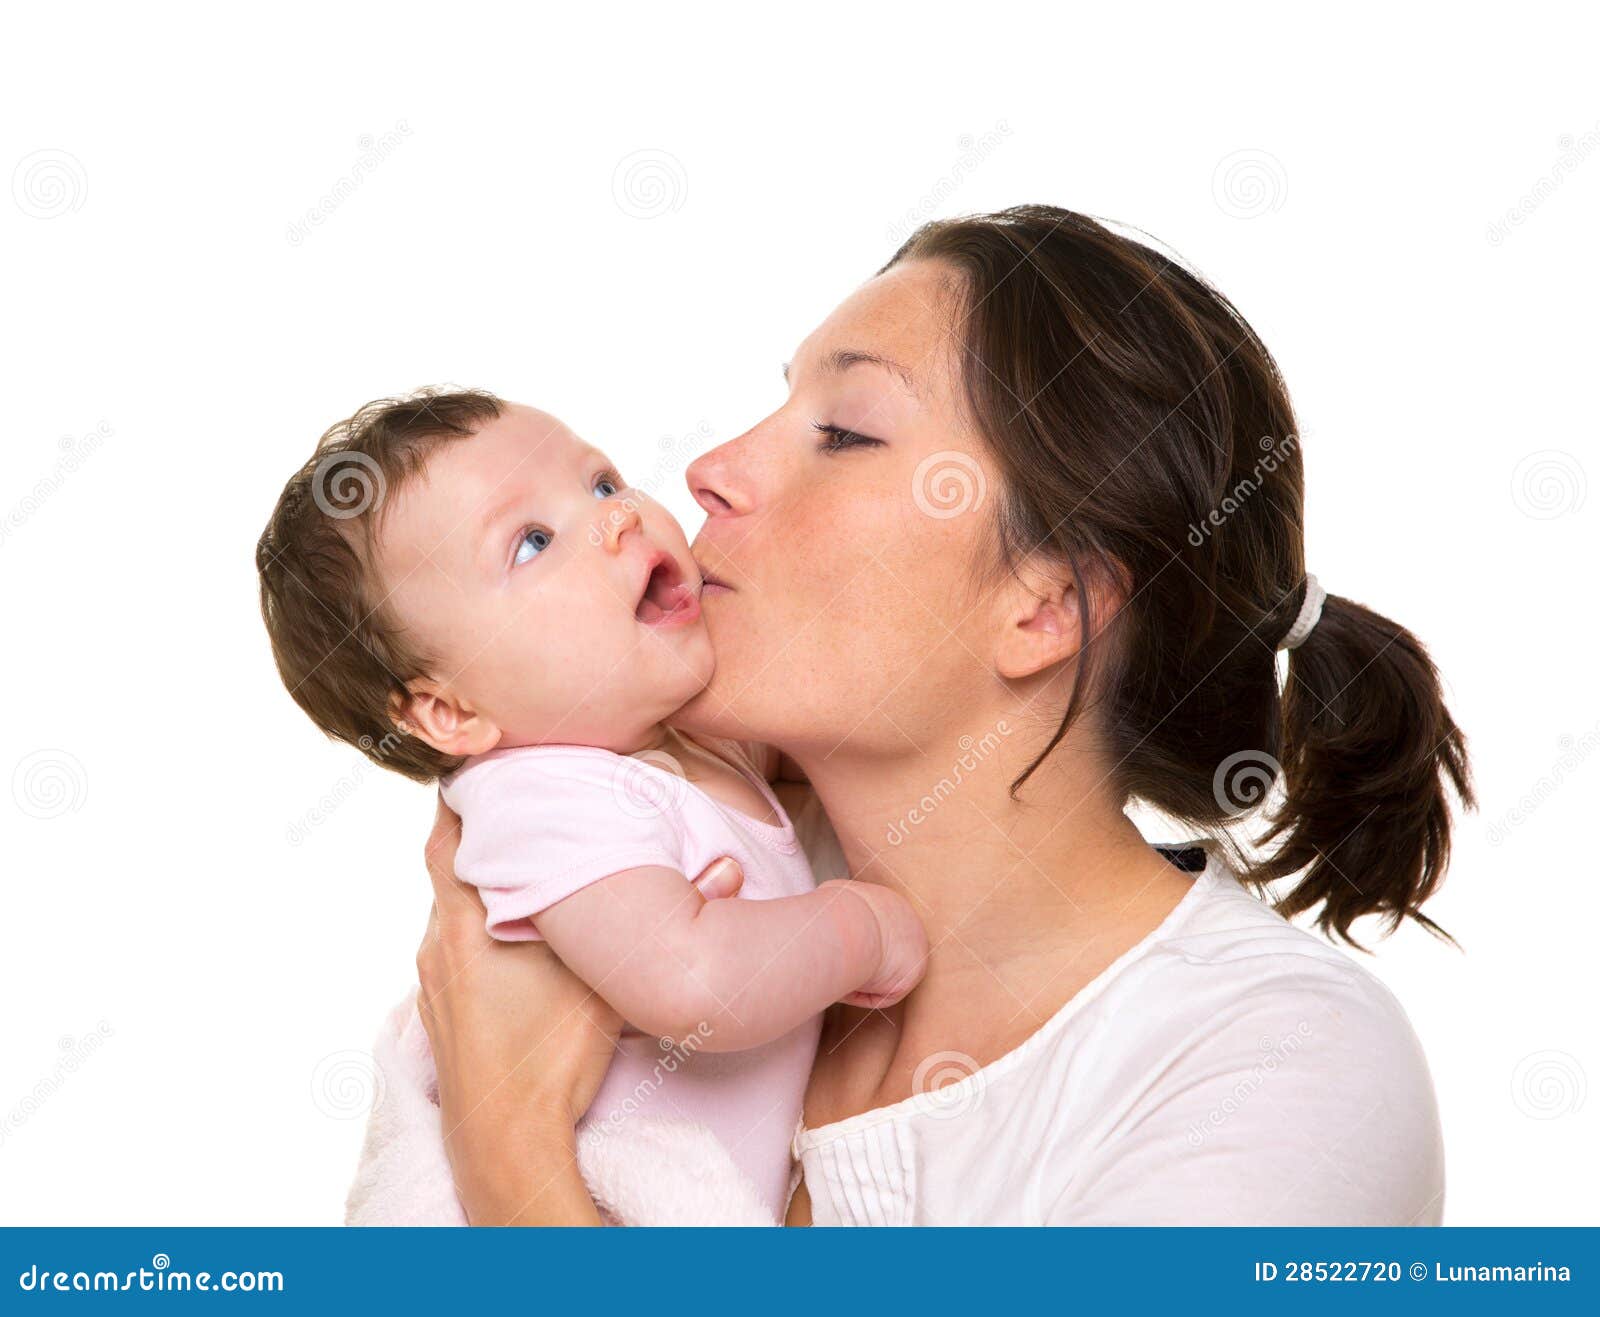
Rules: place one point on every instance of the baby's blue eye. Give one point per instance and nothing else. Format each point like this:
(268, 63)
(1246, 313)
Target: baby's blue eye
(606, 487)
(534, 542)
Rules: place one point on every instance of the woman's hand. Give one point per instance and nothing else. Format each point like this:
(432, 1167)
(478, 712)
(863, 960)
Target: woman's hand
(521, 1045)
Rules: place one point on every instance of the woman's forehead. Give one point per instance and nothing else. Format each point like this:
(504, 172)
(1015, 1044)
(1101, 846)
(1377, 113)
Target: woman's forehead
(906, 317)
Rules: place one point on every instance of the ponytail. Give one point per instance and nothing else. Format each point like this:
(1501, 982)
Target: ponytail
(1155, 446)
(1368, 751)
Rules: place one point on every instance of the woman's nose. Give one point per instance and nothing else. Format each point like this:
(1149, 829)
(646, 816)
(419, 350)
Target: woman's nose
(717, 482)
(620, 518)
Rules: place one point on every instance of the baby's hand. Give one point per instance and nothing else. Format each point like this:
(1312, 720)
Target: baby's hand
(902, 941)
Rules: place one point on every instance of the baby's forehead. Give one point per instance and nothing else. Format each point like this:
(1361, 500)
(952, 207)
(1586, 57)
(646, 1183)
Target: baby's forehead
(514, 451)
(462, 480)
(523, 438)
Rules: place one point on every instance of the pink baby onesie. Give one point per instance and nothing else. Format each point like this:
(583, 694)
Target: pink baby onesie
(543, 822)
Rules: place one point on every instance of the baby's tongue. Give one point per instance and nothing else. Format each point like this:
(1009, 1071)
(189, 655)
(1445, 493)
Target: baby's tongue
(662, 594)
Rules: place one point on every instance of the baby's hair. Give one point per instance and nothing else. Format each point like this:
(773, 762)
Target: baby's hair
(337, 647)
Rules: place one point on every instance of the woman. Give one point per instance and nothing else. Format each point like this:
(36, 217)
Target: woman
(1020, 548)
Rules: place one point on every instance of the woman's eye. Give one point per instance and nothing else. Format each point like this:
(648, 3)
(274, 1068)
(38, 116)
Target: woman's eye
(608, 486)
(836, 439)
(534, 541)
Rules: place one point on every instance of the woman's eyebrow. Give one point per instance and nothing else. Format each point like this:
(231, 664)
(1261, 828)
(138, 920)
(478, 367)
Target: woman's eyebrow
(842, 359)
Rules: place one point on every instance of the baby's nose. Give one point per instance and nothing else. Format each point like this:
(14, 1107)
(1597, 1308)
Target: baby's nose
(620, 518)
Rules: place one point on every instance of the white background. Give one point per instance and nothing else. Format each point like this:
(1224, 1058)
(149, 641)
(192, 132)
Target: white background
(193, 958)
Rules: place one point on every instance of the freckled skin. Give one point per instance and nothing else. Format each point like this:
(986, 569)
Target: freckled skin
(840, 579)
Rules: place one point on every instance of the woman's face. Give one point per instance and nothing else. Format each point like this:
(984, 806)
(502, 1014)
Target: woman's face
(849, 530)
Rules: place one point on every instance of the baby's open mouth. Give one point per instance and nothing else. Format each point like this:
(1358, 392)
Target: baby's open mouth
(667, 597)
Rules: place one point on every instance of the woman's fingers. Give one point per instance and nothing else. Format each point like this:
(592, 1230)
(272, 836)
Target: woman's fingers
(516, 1036)
(721, 878)
(430, 934)
(457, 905)
(441, 848)
(428, 951)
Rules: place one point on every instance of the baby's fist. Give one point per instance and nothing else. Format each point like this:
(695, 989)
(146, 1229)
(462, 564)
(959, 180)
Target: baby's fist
(902, 942)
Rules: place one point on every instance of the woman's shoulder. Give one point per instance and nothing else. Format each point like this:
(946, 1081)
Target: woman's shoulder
(1233, 1047)
(1227, 963)
(1225, 940)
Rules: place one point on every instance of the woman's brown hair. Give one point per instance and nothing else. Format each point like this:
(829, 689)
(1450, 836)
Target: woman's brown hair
(1146, 438)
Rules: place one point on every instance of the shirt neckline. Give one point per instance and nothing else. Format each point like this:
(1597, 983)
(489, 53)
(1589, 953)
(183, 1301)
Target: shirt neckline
(959, 1092)
(732, 753)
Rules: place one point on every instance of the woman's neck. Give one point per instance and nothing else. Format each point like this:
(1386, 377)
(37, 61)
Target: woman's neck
(1021, 898)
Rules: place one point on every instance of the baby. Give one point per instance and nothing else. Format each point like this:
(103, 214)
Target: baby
(471, 594)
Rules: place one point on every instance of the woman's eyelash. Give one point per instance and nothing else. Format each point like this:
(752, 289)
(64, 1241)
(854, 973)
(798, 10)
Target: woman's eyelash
(837, 438)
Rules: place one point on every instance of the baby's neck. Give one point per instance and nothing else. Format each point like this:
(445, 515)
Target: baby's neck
(706, 768)
(659, 737)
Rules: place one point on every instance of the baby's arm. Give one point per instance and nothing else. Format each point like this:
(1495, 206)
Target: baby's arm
(671, 962)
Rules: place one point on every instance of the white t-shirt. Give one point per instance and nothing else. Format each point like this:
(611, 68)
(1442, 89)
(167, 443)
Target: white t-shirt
(1230, 1069)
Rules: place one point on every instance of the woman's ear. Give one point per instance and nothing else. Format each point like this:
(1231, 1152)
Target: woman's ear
(1039, 631)
(438, 716)
(1041, 622)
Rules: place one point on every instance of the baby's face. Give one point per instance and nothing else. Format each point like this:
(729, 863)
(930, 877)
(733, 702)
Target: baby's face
(558, 604)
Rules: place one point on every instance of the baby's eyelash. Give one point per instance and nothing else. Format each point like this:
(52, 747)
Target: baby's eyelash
(838, 438)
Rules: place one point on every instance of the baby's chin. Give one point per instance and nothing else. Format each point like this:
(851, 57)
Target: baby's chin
(688, 675)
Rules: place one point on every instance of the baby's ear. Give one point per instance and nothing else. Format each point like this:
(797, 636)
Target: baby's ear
(438, 716)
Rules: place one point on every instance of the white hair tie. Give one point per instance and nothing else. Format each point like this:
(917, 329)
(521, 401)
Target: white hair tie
(1306, 619)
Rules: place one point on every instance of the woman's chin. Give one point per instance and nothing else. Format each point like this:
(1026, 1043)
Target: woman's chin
(709, 710)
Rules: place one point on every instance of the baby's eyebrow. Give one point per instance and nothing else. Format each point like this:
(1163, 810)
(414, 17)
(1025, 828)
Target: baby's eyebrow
(506, 507)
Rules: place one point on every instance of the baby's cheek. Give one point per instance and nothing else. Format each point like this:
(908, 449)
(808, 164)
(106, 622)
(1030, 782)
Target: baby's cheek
(535, 664)
(590, 642)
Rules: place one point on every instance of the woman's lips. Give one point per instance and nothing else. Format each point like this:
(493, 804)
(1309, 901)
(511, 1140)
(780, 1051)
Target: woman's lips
(711, 583)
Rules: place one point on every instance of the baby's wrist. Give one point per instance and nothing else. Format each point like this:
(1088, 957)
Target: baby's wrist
(871, 937)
